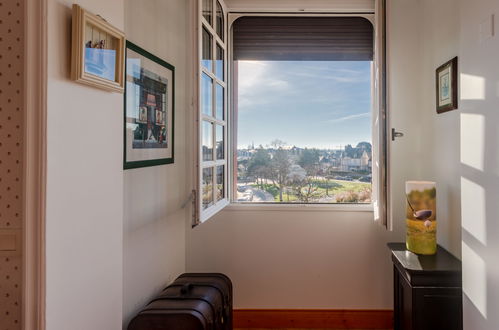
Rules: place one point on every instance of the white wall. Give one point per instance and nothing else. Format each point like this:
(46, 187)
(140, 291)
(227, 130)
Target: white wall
(307, 259)
(84, 186)
(479, 164)
(462, 147)
(440, 132)
(154, 222)
(114, 237)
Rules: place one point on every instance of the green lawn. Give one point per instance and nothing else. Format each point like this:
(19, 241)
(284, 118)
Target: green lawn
(332, 187)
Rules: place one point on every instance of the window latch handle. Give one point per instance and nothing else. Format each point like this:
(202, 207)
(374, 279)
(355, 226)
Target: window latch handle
(396, 134)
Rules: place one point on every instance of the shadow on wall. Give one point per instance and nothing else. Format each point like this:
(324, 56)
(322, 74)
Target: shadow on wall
(479, 200)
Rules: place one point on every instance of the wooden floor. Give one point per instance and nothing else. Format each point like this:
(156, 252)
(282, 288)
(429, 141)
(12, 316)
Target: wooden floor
(320, 319)
(298, 329)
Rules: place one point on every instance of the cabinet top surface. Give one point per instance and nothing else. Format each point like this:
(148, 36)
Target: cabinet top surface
(442, 261)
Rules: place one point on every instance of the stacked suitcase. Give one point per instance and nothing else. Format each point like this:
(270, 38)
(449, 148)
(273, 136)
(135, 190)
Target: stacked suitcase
(194, 301)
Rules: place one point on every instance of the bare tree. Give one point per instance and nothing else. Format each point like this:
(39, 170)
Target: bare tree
(302, 184)
(277, 144)
(279, 170)
(306, 190)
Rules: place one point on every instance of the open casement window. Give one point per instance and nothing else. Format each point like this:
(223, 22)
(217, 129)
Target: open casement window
(264, 37)
(212, 194)
(380, 164)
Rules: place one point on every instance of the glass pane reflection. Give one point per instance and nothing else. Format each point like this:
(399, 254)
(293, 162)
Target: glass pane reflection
(206, 59)
(219, 63)
(207, 141)
(220, 142)
(208, 10)
(206, 97)
(220, 21)
(220, 102)
(220, 183)
(207, 187)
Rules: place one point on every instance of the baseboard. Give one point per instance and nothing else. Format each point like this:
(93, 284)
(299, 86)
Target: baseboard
(313, 318)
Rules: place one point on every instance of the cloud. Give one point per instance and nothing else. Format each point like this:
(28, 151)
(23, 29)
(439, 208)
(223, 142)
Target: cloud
(256, 81)
(336, 78)
(264, 85)
(350, 117)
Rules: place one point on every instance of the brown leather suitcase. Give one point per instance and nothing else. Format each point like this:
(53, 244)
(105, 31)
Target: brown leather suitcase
(169, 314)
(194, 301)
(217, 280)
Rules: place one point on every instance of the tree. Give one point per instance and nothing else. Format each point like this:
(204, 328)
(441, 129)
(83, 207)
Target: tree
(309, 160)
(364, 146)
(259, 164)
(302, 184)
(279, 170)
(349, 151)
(277, 144)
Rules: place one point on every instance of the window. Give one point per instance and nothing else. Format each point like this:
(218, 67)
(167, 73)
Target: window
(301, 127)
(304, 109)
(213, 109)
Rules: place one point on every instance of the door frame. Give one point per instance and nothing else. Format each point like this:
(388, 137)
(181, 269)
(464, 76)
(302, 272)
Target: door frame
(34, 167)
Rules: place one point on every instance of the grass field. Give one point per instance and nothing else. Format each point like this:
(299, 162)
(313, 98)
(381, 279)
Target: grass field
(325, 191)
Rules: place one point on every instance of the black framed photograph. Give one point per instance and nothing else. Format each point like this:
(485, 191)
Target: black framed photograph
(149, 109)
(446, 84)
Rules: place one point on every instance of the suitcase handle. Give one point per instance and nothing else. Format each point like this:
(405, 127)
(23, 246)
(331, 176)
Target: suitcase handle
(186, 288)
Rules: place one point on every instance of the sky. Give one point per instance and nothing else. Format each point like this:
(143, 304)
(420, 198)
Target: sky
(308, 104)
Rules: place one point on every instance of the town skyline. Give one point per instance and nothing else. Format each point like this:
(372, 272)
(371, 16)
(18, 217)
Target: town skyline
(268, 145)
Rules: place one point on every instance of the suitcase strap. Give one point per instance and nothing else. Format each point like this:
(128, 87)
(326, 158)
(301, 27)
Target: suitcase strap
(219, 313)
(225, 297)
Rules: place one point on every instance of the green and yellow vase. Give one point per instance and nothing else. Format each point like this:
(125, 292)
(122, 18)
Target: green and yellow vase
(421, 211)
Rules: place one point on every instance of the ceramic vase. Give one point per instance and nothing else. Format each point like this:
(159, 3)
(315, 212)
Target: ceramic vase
(421, 220)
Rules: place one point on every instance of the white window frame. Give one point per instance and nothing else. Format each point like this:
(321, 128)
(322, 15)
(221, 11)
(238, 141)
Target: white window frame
(201, 215)
(278, 206)
(231, 125)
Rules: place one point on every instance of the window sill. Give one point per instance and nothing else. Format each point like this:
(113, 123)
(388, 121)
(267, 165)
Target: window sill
(299, 207)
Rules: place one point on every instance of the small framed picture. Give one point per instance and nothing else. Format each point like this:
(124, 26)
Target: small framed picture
(149, 109)
(446, 84)
(98, 51)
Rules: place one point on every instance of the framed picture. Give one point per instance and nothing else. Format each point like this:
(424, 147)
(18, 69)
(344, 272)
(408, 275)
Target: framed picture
(98, 51)
(446, 83)
(149, 109)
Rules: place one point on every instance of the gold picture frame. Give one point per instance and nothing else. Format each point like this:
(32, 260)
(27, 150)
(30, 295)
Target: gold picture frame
(98, 51)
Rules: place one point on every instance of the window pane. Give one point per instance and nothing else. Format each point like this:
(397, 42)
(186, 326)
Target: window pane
(208, 10)
(220, 102)
(206, 97)
(304, 131)
(220, 182)
(207, 187)
(207, 141)
(206, 59)
(220, 21)
(219, 69)
(220, 142)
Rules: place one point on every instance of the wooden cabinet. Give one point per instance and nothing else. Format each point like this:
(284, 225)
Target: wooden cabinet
(427, 290)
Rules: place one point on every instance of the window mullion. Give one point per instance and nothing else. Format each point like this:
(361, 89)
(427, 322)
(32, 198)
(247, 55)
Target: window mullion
(214, 77)
(214, 106)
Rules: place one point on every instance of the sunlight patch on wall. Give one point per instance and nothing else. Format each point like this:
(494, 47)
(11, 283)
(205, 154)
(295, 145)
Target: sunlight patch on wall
(473, 140)
(475, 279)
(473, 210)
(472, 87)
